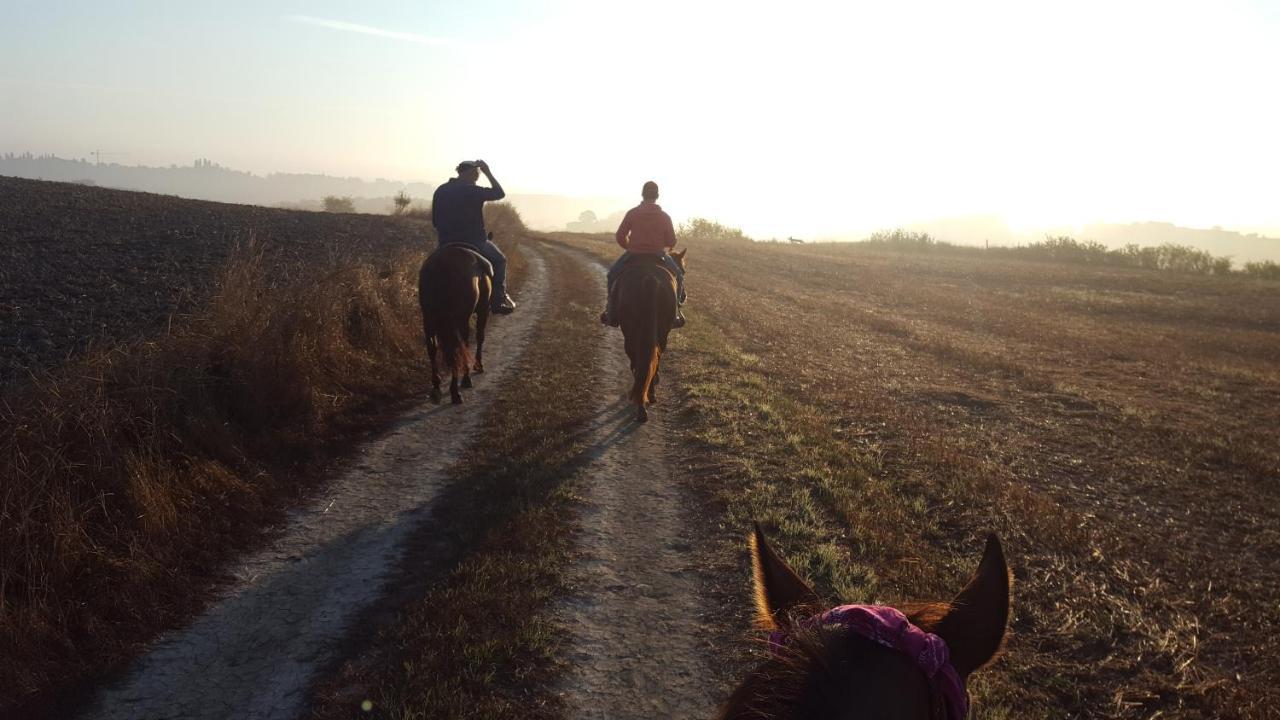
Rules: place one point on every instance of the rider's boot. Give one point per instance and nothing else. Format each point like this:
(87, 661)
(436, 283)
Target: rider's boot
(503, 304)
(608, 318)
(610, 315)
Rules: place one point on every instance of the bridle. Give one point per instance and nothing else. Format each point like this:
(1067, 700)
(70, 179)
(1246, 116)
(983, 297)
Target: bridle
(888, 627)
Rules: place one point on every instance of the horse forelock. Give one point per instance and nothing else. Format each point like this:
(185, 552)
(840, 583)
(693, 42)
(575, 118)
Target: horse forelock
(819, 664)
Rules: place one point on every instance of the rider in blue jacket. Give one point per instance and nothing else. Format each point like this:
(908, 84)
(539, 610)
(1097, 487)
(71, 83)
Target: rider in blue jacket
(457, 211)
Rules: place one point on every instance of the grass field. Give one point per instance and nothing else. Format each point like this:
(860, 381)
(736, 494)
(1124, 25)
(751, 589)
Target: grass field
(881, 411)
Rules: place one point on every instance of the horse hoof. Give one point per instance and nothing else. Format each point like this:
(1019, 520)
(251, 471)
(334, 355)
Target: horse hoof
(457, 399)
(436, 397)
(642, 416)
(479, 369)
(466, 382)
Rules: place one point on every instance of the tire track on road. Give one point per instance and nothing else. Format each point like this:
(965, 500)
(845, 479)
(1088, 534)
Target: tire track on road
(255, 651)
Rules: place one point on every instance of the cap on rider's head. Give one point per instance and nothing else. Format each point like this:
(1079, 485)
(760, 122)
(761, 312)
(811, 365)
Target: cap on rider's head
(468, 165)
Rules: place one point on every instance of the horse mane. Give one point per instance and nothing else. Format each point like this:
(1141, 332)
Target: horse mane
(778, 686)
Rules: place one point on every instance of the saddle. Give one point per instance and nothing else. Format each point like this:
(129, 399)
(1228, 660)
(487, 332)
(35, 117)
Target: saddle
(635, 261)
(645, 261)
(485, 267)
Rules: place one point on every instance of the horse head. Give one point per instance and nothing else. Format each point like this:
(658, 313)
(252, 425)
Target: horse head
(678, 256)
(863, 661)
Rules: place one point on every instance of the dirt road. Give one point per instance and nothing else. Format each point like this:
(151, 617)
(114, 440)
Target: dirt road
(255, 651)
(636, 626)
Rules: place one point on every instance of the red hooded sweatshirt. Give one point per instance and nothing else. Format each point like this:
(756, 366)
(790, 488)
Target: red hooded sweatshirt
(650, 230)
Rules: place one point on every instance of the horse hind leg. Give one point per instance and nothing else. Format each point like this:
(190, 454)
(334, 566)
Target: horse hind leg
(454, 394)
(482, 320)
(653, 388)
(466, 352)
(432, 350)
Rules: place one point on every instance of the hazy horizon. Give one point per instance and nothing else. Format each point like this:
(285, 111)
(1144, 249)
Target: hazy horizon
(823, 120)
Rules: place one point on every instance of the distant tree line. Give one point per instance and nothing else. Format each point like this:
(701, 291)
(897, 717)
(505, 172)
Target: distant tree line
(1064, 249)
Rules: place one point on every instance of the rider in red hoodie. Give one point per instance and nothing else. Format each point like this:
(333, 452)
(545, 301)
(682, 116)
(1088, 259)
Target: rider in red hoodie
(646, 230)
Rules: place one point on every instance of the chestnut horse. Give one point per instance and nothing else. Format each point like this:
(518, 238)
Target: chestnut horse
(646, 309)
(453, 286)
(867, 661)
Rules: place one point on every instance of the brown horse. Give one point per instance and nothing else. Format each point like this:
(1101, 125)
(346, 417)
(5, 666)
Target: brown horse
(841, 665)
(453, 286)
(646, 309)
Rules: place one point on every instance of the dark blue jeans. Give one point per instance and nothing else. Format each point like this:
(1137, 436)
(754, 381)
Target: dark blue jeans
(495, 256)
(667, 260)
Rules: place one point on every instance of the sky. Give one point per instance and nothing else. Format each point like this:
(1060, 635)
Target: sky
(803, 118)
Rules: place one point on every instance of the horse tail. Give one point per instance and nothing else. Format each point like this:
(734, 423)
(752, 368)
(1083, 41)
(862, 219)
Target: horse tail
(457, 356)
(650, 351)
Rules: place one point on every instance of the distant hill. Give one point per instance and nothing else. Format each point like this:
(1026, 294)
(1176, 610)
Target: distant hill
(204, 180)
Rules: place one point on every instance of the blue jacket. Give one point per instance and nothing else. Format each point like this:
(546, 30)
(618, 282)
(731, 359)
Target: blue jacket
(457, 211)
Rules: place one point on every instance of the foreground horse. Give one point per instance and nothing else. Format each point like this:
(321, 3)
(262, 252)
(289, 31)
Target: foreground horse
(646, 309)
(866, 661)
(453, 285)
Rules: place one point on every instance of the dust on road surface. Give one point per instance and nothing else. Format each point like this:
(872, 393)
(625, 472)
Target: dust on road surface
(637, 631)
(254, 653)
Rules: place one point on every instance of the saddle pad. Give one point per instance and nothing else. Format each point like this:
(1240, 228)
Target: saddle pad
(638, 261)
(484, 261)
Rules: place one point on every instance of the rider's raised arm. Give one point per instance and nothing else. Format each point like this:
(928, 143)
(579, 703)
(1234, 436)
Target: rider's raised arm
(495, 191)
(623, 230)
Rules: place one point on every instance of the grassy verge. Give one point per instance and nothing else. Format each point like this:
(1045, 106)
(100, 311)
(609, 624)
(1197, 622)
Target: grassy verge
(133, 474)
(478, 642)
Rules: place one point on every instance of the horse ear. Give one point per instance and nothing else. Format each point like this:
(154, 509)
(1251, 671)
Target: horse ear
(490, 236)
(974, 626)
(681, 253)
(779, 590)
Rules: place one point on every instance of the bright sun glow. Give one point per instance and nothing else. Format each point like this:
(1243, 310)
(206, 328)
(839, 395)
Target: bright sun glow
(817, 119)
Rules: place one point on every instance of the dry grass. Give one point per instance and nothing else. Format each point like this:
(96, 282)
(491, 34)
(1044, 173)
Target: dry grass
(474, 638)
(129, 475)
(881, 411)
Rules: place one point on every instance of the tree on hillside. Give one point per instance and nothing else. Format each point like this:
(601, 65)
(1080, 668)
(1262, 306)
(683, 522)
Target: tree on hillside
(587, 217)
(335, 204)
(402, 201)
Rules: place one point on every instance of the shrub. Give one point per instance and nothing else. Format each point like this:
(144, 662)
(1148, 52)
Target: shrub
(1266, 269)
(503, 220)
(899, 239)
(1066, 249)
(335, 204)
(402, 202)
(701, 229)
